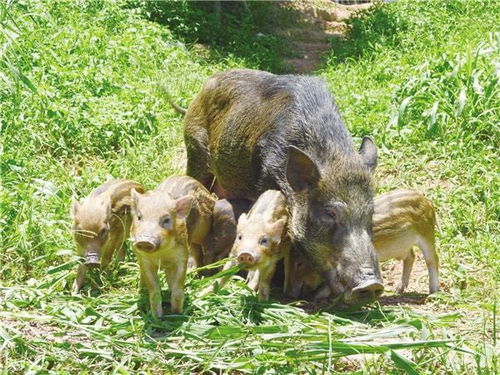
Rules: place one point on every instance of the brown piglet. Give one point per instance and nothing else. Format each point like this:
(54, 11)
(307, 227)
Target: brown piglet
(101, 224)
(168, 224)
(261, 241)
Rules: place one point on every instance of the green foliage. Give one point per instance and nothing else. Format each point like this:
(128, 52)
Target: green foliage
(240, 29)
(227, 332)
(455, 97)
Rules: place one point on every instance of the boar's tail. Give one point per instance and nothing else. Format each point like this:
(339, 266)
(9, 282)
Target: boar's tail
(177, 107)
(165, 92)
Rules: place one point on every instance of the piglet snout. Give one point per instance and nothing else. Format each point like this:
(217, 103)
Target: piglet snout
(92, 260)
(145, 245)
(246, 258)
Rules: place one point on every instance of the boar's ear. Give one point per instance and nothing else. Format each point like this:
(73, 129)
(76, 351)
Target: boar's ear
(108, 210)
(277, 230)
(183, 206)
(368, 153)
(242, 219)
(74, 208)
(302, 172)
(134, 198)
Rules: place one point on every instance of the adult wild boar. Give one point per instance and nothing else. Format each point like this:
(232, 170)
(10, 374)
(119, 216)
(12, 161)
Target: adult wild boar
(255, 131)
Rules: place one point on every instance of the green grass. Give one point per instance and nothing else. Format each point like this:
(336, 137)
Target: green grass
(80, 103)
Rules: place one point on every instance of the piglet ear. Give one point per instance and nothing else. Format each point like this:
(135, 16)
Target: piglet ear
(74, 208)
(183, 206)
(134, 198)
(243, 219)
(276, 230)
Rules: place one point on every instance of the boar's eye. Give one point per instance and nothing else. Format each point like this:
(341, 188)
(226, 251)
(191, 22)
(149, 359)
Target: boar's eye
(329, 214)
(102, 233)
(264, 241)
(166, 222)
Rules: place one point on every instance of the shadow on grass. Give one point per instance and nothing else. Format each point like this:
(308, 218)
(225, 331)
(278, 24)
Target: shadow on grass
(378, 27)
(407, 298)
(246, 30)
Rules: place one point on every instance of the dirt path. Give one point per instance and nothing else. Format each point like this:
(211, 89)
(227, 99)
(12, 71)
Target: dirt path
(319, 20)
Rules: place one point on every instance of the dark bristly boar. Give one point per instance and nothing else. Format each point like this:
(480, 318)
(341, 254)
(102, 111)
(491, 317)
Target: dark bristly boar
(261, 241)
(101, 224)
(402, 219)
(255, 131)
(168, 224)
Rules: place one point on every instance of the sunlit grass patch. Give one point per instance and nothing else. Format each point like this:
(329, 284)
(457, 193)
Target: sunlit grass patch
(225, 332)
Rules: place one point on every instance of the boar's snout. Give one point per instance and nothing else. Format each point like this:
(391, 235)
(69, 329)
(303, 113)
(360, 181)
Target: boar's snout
(147, 245)
(246, 258)
(92, 259)
(367, 292)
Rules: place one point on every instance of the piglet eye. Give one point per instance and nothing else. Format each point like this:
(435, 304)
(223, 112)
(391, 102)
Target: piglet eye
(239, 237)
(139, 216)
(264, 241)
(103, 232)
(166, 223)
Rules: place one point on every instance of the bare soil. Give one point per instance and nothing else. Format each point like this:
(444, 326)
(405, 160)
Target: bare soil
(319, 20)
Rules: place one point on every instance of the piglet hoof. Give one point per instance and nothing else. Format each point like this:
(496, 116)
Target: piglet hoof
(75, 289)
(157, 313)
(400, 288)
(433, 289)
(176, 310)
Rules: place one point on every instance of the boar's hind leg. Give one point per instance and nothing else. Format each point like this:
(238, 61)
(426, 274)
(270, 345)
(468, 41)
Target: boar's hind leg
(80, 278)
(407, 266)
(196, 140)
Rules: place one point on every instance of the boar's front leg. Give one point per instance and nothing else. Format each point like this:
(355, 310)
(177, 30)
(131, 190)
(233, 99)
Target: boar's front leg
(120, 245)
(176, 275)
(265, 277)
(197, 254)
(149, 279)
(106, 258)
(223, 281)
(407, 266)
(80, 278)
(253, 277)
(287, 268)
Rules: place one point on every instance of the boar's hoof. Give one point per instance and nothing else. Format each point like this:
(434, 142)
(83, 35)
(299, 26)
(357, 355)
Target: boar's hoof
(368, 292)
(246, 258)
